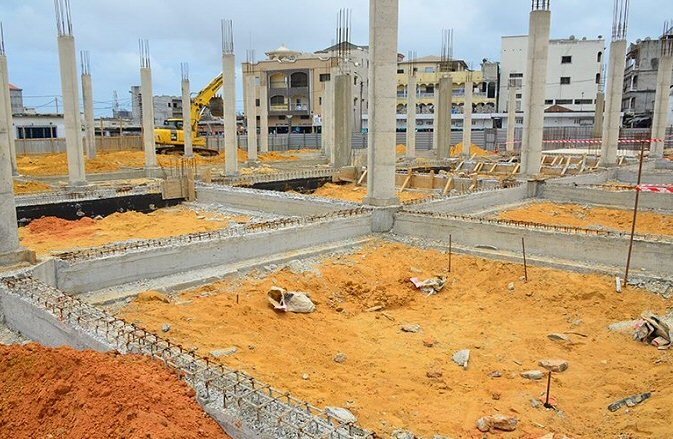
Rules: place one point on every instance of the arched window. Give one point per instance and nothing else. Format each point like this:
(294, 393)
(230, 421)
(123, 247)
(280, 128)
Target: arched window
(599, 57)
(598, 78)
(278, 100)
(299, 79)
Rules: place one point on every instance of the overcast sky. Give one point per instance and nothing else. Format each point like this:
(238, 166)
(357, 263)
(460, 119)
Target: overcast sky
(189, 31)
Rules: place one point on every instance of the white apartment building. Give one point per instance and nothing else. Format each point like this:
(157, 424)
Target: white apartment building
(574, 71)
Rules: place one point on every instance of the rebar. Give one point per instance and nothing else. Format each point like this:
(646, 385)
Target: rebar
(85, 62)
(144, 49)
(63, 17)
(620, 20)
(540, 5)
(447, 50)
(2, 39)
(227, 37)
(667, 39)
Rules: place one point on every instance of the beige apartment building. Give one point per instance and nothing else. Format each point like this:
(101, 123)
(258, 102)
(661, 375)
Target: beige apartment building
(427, 78)
(293, 85)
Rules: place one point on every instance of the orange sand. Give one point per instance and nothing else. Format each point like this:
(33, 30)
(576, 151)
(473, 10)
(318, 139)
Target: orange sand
(649, 223)
(474, 149)
(30, 187)
(357, 194)
(52, 234)
(401, 149)
(63, 394)
(383, 380)
(57, 164)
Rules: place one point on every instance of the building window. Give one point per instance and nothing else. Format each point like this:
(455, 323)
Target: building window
(549, 102)
(564, 101)
(33, 132)
(257, 103)
(565, 80)
(516, 75)
(598, 78)
(278, 100)
(320, 100)
(324, 77)
(429, 70)
(519, 95)
(599, 57)
(584, 101)
(299, 79)
(400, 71)
(566, 60)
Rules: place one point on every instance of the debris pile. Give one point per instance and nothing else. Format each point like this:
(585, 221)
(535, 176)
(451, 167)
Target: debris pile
(290, 301)
(654, 330)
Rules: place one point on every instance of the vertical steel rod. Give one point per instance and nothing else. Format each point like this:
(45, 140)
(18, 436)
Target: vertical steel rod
(450, 251)
(525, 262)
(635, 213)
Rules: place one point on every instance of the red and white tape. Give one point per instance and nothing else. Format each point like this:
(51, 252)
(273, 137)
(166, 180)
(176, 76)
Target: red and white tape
(657, 188)
(597, 141)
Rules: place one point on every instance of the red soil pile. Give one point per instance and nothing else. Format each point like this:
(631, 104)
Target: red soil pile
(64, 393)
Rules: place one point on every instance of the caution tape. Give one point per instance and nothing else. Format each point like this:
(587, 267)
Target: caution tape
(598, 141)
(656, 188)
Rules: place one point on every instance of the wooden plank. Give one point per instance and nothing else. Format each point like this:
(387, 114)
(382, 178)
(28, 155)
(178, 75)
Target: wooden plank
(407, 181)
(362, 177)
(450, 185)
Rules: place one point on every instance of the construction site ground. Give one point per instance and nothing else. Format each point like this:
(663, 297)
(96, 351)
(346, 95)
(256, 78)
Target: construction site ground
(590, 217)
(357, 194)
(51, 234)
(63, 393)
(393, 379)
(106, 162)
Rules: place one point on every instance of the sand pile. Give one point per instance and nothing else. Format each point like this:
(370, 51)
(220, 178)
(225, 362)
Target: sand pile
(474, 150)
(357, 194)
(51, 234)
(384, 379)
(574, 215)
(277, 156)
(401, 149)
(63, 394)
(30, 187)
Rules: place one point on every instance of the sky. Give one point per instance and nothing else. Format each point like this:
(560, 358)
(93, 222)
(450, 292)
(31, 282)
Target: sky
(189, 31)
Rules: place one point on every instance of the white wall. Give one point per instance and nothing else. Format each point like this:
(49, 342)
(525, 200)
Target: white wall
(28, 120)
(582, 70)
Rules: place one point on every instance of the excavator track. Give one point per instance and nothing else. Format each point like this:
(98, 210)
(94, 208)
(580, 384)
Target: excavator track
(180, 150)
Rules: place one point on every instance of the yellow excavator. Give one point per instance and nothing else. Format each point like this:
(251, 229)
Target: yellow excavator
(170, 139)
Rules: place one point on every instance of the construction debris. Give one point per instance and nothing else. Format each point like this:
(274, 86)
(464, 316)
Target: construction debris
(414, 329)
(461, 358)
(631, 401)
(290, 301)
(654, 330)
(554, 365)
(491, 424)
(429, 286)
(341, 414)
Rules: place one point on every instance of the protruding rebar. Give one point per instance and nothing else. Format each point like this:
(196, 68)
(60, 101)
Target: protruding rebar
(343, 33)
(2, 39)
(540, 5)
(447, 50)
(620, 20)
(85, 62)
(227, 37)
(184, 70)
(63, 17)
(144, 47)
(667, 39)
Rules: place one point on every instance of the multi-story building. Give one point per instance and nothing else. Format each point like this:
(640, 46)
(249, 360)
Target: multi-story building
(165, 107)
(640, 82)
(428, 73)
(574, 71)
(295, 85)
(16, 98)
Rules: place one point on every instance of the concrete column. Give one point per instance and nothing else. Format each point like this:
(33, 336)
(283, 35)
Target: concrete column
(71, 115)
(343, 121)
(328, 138)
(467, 118)
(147, 100)
(511, 118)
(662, 97)
(89, 124)
(251, 115)
(9, 234)
(598, 117)
(263, 114)
(229, 105)
(6, 100)
(534, 92)
(613, 105)
(187, 118)
(443, 116)
(381, 157)
(412, 98)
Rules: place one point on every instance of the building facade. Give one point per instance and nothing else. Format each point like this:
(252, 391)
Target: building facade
(295, 84)
(16, 97)
(574, 71)
(484, 95)
(640, 82)
(165, 107)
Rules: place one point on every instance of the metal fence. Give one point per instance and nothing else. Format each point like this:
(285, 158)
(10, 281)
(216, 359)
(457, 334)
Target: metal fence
(57, 145)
